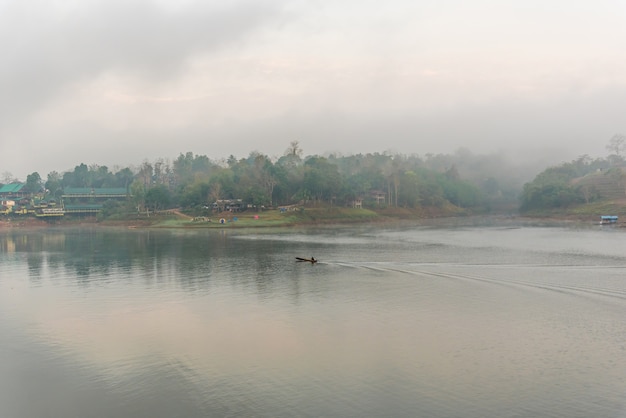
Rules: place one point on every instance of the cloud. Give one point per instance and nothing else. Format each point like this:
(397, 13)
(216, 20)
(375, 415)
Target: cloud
(49, 47)
(86, 78)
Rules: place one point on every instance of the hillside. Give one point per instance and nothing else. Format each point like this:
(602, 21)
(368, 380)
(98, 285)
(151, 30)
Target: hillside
(604, 184)
(605, 194)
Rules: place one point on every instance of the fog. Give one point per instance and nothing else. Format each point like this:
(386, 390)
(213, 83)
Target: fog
(117, 82)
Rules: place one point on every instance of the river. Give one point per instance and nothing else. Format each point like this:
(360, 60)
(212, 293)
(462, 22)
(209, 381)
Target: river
(492, 319)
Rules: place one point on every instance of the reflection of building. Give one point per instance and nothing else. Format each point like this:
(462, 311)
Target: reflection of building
(9, 246)
(86, 200)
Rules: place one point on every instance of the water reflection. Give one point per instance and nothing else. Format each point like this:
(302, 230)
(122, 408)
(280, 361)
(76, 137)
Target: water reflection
(156, 255)
(394, 322)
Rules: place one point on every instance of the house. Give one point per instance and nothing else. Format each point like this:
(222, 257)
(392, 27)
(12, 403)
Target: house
(379, 196)
(13, 191)
(230, 205)
(90, 200)
(49, 212)
(95, 193)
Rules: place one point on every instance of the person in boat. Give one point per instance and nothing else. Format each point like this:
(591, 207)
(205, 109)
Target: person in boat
(311, 260)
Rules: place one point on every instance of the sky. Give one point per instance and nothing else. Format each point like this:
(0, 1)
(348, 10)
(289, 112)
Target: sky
(118, 82)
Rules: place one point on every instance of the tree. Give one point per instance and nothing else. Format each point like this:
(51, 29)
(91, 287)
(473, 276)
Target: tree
(410, 196)
(78, 178)
(355, 186)
(321, 178)
(294, 150)
(124, 177)
(461, 193)
(194, 194)
(431, 193)
(158, 197)
(53, 185)
(160, 169)
(33, 182)
(264, 171)
(549, 196)
(138, 193)
(201, 164)
(101, 177)
(145, 174)
(215, 192)
(7, 177)
(616, 145)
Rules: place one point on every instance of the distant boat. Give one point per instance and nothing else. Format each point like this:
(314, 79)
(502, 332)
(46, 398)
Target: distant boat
(310, 260)
(608, 220)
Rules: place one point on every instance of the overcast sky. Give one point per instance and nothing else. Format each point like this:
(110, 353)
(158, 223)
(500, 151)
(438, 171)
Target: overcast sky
(115, 82)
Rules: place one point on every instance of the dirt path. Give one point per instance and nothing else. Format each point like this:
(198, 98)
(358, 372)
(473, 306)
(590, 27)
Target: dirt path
(179, 213)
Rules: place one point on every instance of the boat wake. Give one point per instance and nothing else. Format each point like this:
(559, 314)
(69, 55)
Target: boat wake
(551, 276)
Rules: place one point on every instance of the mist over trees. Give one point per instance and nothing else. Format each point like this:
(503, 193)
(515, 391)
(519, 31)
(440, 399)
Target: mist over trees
(581, 181)
(193, 182)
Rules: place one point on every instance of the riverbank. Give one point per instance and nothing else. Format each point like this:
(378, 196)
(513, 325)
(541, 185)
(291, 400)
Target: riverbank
(317, 216)
(263, 219)
(307, 217)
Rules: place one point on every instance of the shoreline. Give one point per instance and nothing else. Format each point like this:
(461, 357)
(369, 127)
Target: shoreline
(252, 222)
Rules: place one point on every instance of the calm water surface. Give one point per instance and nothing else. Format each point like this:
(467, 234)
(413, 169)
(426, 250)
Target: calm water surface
(464, 321)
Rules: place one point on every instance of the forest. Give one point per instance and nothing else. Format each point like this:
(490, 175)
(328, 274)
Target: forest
(581, 182)
(193, 182)
(462, 181)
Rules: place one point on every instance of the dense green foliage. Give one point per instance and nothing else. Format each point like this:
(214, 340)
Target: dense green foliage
(570, 184)
(461, 182)
(378, 180)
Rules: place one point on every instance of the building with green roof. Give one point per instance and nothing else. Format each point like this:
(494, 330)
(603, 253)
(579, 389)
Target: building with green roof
(13, 190)
(90, 200)
(92, 192)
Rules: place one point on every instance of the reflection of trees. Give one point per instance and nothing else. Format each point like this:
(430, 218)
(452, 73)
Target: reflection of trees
(35, 263)
(193, 259)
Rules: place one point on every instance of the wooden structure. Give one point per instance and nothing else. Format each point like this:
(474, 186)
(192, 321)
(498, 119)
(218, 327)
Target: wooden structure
(13, 191)
(90, 200)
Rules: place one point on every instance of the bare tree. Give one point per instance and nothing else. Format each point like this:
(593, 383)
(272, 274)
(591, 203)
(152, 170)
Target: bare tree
(7, 177)
(145, 173)
(294, 149)
(616, 145)
(215, 193)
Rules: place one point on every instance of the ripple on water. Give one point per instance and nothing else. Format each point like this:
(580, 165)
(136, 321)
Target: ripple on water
(468, 322)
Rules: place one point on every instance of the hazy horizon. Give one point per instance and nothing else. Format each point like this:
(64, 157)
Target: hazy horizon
(116, 82)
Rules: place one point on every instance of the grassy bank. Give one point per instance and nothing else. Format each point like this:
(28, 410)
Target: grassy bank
(276, 218)
(586, 212)
(308, 216)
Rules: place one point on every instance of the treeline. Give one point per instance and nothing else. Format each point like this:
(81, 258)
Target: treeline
(581, 181)
(191, 181)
